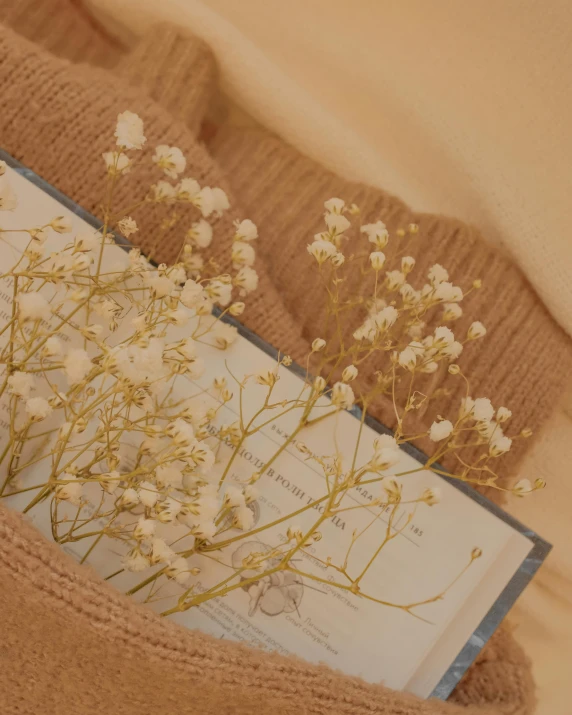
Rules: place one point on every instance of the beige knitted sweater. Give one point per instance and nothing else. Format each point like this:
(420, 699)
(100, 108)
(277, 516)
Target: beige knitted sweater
(84, 648)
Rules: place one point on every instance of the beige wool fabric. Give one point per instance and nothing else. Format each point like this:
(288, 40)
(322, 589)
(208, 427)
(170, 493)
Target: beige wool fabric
(57, 119)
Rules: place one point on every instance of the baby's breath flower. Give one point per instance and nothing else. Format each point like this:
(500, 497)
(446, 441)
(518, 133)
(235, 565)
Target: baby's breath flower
(245, 230)
(384, 458)
(129, 131)
(127, 226)
(237, 309)
(503, 414)
(336, 223)
(350, 373)
(177, 274)
(385, 318)
(136, 561)
(116, 163)
(170, 159)
(376, 233)
(342, 396)
(61, 224)
(144, 529)
(224, 335)
(318, 344)
(335, 206)
(52, 347)
(454, 350)
(192, 294)
(437, 274)
(408, 358)
(201, 233)
(246, 279)
(483, 410)
(522, 487)
(443, 337)
(21, 383)
(178, 317)
(392, 488)
(178, 570)
(161, 552)
(377, 259)
(242, 254)
(205, 529)
(440, 430)
(321, 250)
(110, 482)
(129, 498)
(268, 377)
(77, 365)
(431, 496)
(221, 202)
(407, 264)
(476, 330)
(294, 533)
(243, 518)
(234, 497)
(319, 384)
(161, 286)
(86, 241)
(162, 191)
(394, 280)
(499, 444)
(337, 260)
(219, 292)
(38, 408)
(203, 457)
(148, 494)
(448, 293)
(71, 490)
(451, 311)
(33, 306)
(168, 510)
(410, 296)
(169, 476)
(429, 367)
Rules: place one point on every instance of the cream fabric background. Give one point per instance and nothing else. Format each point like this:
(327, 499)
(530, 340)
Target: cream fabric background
(459, 108)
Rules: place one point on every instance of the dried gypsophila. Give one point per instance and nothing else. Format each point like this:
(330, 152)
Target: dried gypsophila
(177, 442)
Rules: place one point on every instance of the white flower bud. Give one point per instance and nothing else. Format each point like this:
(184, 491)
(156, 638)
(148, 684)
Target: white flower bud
(440, 430)
(342, 396)
(476, 330)
(407, 264)
(350, 373)
(318, 344)
(61, 224)
(236, 309)
(319, 384)
(377, 260)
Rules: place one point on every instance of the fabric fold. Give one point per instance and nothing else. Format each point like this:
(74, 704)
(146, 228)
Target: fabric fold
(177, 70)
(75, 645)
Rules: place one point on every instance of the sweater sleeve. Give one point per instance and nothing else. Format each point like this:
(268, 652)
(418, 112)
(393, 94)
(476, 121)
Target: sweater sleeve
(176, 69)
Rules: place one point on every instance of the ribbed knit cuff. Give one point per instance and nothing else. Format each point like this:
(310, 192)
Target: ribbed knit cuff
(525, 358)
(64, 27)
(177, 70)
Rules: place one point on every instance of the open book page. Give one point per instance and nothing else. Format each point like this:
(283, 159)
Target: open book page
(306, 613)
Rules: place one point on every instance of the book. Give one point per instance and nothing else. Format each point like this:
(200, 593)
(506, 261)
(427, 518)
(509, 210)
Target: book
(424, 649)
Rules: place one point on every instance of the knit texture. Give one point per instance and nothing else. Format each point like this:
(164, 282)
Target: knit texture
(73, 644)
(57, 119)
(63, 27)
